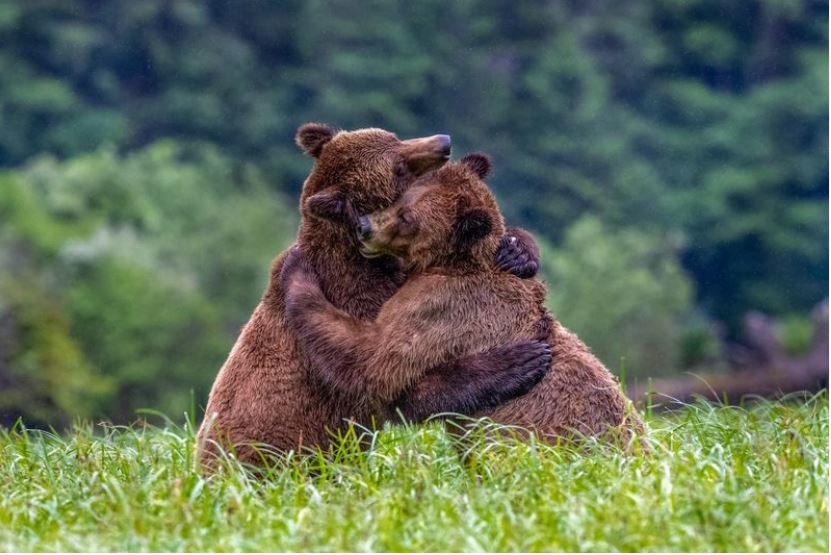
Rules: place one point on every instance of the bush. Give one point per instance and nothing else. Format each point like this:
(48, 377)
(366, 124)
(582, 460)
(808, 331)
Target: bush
(125, 279)
(623, 292)
(796, 332)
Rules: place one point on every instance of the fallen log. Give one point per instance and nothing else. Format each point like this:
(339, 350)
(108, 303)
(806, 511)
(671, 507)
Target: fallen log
(768, 372)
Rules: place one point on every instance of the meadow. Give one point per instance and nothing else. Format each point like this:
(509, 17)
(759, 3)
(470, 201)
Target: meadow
(751, 478)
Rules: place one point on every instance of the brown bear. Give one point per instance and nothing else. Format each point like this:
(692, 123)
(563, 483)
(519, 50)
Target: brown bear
(446, 229)
(268, 392)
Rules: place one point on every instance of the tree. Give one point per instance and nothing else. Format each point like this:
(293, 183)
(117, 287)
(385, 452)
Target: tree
(127, 278)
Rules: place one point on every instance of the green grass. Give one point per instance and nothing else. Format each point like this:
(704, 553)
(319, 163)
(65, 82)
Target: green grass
(720, 479)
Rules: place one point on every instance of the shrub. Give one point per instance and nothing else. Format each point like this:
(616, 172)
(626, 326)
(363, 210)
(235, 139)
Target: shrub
(125, 279)
(624, 292)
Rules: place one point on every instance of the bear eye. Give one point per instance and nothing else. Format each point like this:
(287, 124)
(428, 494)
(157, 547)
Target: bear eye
(401, 169)
(406, 223)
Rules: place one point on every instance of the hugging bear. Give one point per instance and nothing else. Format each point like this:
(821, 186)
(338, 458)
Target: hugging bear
(268, 392)
(446, 230)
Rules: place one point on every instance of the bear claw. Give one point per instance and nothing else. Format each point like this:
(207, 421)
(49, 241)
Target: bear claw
(514, 258)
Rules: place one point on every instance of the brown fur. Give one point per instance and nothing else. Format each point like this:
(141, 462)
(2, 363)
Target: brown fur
(446, 229)
(268, 392)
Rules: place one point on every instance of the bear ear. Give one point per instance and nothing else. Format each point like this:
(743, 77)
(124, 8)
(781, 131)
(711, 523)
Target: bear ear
(329, 204)
(478, 162)
(471, 227)
(312, 137)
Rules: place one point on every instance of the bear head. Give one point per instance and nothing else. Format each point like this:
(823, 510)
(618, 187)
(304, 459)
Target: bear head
(358, 172)
(446, 220)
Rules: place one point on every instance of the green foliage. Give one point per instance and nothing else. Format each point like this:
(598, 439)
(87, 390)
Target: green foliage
(43, 371)
(44, 374)
(131, 131)
(126, 278)
(719, 480)
(700, 345)
(698, 118)
(797, 331)
(156, 340)
(623, 293)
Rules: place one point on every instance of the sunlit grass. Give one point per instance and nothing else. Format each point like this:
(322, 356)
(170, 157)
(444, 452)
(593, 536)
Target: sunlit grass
(719, 479)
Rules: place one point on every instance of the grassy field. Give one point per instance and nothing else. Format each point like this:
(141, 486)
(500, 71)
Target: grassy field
(720, 479)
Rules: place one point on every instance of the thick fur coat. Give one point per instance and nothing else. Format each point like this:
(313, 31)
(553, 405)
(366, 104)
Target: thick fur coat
(268, 391)
(447, 228)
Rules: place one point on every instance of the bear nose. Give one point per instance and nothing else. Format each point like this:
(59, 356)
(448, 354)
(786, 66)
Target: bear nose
(364, 228)
(444, 143)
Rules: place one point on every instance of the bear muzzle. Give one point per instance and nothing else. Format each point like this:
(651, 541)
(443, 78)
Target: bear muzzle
(427, 153)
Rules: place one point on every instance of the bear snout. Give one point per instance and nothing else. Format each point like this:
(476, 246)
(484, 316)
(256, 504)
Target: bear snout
(427, 153)
(444, 144)
(363, 228)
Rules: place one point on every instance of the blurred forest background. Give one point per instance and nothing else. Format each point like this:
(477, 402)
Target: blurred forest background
(671, 156)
